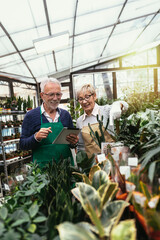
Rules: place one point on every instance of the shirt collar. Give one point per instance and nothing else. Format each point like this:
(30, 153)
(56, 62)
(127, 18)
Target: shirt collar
(95, 112)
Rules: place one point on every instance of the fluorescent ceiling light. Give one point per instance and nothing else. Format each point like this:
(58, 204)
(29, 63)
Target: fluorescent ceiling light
(52, 42)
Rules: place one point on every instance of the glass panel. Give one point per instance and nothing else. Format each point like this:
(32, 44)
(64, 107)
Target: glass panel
(4, 89)
(24, 91)
(105, 17)
(144, 58)
(134, 80)
(120, 43)
(65, 91)
(139, 8)
(86, 52)
(97, 80)
(63, 59)
(149, 35)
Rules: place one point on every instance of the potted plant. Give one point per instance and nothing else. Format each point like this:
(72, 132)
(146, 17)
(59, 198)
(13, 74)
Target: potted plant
(29, 103)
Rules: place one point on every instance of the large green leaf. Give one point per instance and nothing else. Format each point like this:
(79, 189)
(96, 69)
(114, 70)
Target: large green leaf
(109, 191)
(33, 210)
(125, 230)
(39, 219)
(145, 190)
(100, 177)
(105, 166)
(70, 231)
(84, 177)
(111, 211)
(89, 196)
(151, 172)
(11, 235)
(2, 228)
(145, 159)
(91, 203)
(19, 217)
(92, 171)
(3, 213)
(75, 192)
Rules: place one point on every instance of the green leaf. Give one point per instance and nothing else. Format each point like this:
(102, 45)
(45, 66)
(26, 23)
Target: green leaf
(145, 190)
(75, 192)
(2, 228)
(42, 185)
(20, 217)
(32, 228)
(100, 177)
(11, 235)
(3, 213)
(19, 222)
(109, 191)
(33, 210)
(110, 213)
(29, 192)
(92, 171)
(105, 166)
(151, 171)
(70, 231)
(89, 196)
(40, 219)
(125, 230)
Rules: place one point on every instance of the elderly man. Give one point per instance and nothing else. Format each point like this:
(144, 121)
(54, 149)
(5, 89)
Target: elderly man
(43, 124)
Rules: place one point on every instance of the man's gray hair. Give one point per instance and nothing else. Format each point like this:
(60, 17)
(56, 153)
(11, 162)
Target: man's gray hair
(48, 80)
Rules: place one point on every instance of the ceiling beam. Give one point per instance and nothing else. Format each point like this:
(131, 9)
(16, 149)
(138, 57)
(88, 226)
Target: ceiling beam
(74, 27)
(17, 50)
(114, 26)
(49, 30)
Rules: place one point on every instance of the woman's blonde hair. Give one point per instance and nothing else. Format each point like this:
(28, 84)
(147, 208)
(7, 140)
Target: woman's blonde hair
(86, 88)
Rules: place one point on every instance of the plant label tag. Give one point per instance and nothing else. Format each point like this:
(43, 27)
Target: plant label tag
(139, 198)
(101, 157)
(130, 186)
(132, 161)
(6, 187)
(125, 170)
(19, 178)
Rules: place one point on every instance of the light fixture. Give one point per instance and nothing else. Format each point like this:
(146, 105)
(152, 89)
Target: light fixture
(51, 43)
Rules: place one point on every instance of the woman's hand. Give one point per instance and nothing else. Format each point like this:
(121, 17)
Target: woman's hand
(43, 133)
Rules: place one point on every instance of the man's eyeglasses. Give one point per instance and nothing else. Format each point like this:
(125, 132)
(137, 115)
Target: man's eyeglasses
(86, 98)
(58, 95)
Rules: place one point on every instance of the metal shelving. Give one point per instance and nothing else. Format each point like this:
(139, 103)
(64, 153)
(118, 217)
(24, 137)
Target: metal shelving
(9, 147)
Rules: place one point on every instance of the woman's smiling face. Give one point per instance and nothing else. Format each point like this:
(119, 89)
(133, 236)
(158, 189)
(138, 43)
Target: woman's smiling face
(87, 101)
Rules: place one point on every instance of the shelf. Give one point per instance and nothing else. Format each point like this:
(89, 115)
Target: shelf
(12, 113)
(7, 142)
(14, 160)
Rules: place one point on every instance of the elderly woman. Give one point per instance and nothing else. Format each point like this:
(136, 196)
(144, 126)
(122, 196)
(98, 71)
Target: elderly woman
(87, 97)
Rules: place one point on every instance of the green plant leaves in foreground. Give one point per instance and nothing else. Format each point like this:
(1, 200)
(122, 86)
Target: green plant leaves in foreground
(70, 231)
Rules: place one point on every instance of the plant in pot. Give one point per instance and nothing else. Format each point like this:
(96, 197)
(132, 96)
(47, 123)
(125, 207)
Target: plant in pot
(29, 103)
(19, 103)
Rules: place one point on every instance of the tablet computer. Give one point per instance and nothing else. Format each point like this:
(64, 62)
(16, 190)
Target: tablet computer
(61, 138)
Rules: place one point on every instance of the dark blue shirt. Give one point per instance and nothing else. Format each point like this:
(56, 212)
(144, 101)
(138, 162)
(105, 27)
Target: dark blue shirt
(32, 123)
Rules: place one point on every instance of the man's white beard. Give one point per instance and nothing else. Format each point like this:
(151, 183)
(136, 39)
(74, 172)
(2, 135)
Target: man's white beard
(52, 106)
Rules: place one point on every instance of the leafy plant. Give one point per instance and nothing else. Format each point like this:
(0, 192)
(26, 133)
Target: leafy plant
(147, 210)
(95, 195)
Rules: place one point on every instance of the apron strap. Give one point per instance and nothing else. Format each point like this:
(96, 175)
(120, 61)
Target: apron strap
(41, 115)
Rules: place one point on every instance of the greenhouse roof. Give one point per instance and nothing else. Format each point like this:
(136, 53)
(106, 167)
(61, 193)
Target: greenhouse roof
(99, 30)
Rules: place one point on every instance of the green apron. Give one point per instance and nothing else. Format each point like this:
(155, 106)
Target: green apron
(46, 151)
